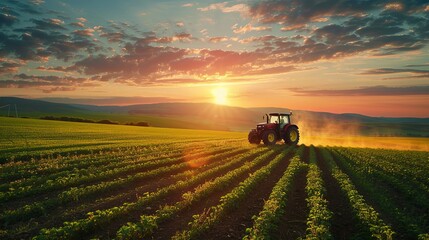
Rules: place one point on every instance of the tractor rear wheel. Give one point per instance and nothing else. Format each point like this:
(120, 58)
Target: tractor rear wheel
(291, 136)
(269, 137)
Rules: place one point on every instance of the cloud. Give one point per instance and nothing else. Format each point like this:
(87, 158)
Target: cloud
(418, 65)
(8, 66)
(291, 12)
(394, 70)
(78, 24)
(7, 19)
(188, 5)
(48, 24)
(82, 19)
(355, 27)
(145, 64)
(57, 69)
(218, 39)
(120, 52)
(47, 83)
(273, 70)
(249, 28)
(214, 6)
(241, 8)
(365, 91)
(113, 36)
(27, 8)
(413, 73)
(37, 2)
(89, 32)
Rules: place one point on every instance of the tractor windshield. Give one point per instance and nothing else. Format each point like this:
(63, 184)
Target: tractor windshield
(274, 119)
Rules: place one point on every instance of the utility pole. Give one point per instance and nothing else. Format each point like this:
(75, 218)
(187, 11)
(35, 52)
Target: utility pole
(16, 111)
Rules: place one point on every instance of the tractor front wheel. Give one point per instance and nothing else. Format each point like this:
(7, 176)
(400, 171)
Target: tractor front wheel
(269, 137)
(291, 136)
(253, 138)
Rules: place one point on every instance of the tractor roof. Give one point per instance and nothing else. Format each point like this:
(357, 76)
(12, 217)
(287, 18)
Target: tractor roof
(281, 114)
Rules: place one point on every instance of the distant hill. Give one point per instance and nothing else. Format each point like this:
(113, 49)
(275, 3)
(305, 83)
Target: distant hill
(217, 117)
(30, 107)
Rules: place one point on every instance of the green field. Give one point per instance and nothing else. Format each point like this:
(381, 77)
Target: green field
(63, 180)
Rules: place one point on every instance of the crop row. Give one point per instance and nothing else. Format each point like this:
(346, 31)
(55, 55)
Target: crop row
(399, 199)
(204, 221)
(44, 166)
(148, 223)
(408, 168)
(318, 220)
(101, 218)
(414, 190)
(101, 161)
(274, 208)
(366, 213)
(88, 167)
(51, 165)
(74, 194)
(99, 175)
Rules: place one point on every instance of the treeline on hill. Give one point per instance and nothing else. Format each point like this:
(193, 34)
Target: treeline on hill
(105, 121)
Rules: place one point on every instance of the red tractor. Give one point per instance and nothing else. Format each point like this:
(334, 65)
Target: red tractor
(277, 127)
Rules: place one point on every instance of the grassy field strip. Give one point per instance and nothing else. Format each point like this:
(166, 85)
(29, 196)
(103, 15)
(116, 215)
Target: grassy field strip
(383, 189)
(207, 219)
(42, 167)
(148, 223)
(118, 167)
(102, 218)
(74, 180)
(74, 194)
(364, 211)
(319, 218)
(273, 209)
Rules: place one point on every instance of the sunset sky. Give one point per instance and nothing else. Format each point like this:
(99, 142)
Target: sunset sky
(368, 57)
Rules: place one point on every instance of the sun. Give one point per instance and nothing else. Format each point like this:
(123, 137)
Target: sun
(220, 95)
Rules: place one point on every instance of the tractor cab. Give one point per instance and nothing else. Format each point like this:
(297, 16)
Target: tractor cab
(279, 119)
(277, 127)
